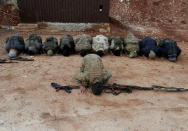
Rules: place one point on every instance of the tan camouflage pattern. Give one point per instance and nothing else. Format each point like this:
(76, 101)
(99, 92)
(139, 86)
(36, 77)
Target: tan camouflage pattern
(82, 42)
(132, 45)
(92, 71)
(100, 43)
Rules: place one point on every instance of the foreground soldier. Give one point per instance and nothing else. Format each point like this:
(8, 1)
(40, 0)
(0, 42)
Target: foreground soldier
(169, 49)
(67, 45)
(92, 73)
(15, 45)
(50, 46)
(116, 45)
(33, 44)
(83, 44)
(100, 45)
(132, 45)
(148, 47)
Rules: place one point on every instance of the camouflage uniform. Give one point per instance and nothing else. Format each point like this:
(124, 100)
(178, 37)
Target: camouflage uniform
(116, 45)
(92, 71)
(15, 45)
(100, 45)
(67, 45)
(50, 46)
(83, 44)
(132, 45)
(33, 44)
(168, 48)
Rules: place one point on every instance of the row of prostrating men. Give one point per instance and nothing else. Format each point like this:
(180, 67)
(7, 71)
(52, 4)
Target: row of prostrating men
(101, 45)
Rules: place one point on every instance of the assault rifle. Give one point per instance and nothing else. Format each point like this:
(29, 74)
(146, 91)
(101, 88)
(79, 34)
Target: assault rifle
(20, 59)
(67, 89)
(116, 89)
(13, 59)
(5, 61)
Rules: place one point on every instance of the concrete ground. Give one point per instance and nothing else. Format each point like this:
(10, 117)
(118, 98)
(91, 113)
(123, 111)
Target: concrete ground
(28, 103)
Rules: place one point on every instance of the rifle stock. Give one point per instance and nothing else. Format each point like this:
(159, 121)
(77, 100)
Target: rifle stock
(13, 59)
(66, 88)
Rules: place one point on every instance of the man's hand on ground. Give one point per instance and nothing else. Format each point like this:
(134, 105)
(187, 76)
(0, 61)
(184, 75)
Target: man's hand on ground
(83, 89)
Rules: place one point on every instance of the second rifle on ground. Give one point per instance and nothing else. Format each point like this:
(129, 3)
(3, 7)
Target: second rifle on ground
(116, 89)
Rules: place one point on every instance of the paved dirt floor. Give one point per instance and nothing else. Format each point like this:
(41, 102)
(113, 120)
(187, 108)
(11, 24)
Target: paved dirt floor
(28, 103)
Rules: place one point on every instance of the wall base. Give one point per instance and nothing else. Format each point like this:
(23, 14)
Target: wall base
(101, 27)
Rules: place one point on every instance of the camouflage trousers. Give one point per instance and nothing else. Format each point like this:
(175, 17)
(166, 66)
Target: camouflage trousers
(84, 78)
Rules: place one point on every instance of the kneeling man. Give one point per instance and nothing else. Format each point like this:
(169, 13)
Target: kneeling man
(92, 74)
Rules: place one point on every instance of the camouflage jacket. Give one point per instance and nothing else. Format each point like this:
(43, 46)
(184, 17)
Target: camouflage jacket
(92, 71)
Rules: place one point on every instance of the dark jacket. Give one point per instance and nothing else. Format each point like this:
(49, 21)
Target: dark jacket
(168, 47)
(146, 45)
(15, 42)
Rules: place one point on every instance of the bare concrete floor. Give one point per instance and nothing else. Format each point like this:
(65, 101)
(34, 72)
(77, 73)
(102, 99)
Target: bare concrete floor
(28, 103)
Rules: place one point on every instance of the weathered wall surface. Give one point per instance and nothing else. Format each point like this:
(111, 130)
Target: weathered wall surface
(13, 2)
(165, 15)
(162, 18)
(150, 12)
(9, 13)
